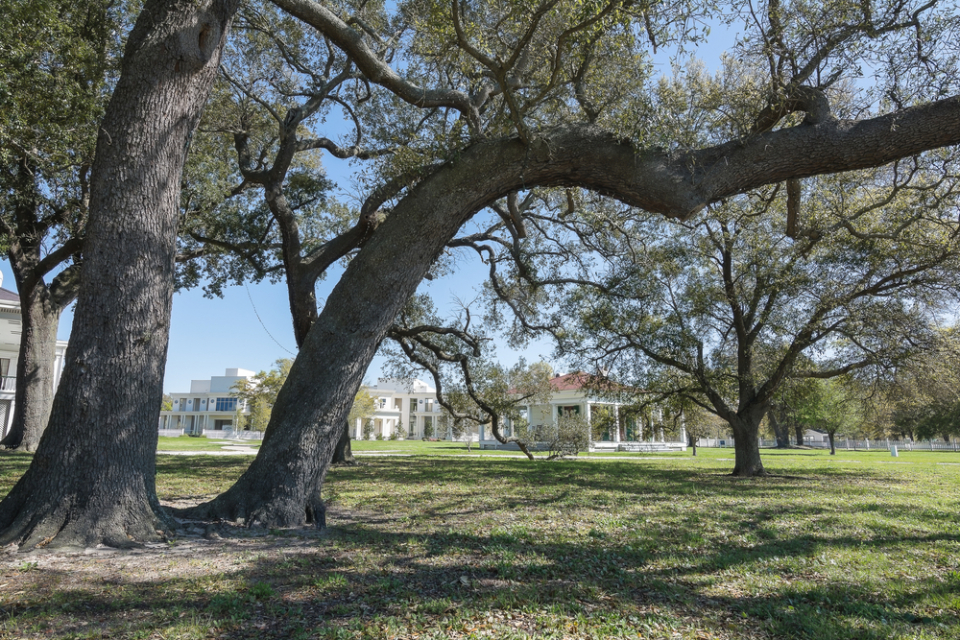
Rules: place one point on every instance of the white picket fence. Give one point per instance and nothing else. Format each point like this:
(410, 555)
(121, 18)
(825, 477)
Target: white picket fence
(850, 444)
(867, 444)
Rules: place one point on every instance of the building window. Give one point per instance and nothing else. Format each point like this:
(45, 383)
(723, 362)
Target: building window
(226, 404)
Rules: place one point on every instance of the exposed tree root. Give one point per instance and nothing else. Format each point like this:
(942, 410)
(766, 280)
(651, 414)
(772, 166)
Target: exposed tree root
(269, 513)
(33, 524)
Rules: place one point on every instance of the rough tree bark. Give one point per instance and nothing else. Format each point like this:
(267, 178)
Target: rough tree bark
(798, 433)
(92, 478)
(780, 430)
(40, 309)
(282, 486)
(746, 431)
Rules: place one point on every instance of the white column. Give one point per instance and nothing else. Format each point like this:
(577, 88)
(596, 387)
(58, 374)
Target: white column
(589, 426)
(616, 423)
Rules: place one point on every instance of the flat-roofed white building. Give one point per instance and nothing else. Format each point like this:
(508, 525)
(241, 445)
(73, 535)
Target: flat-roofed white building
(210, 405)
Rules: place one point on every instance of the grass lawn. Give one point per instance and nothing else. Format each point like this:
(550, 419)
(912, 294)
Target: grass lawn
(188, 443)
(860, 545)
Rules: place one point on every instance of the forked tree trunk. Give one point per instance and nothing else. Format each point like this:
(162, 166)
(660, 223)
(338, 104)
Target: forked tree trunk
(36, 370)
(92, 478)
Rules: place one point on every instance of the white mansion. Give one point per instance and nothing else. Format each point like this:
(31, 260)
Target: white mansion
(208, 408)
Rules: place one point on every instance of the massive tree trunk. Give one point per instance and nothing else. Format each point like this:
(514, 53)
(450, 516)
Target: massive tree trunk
(798, 433)
(282, 486)
(746, 430)
(92, 478)
(40, 309)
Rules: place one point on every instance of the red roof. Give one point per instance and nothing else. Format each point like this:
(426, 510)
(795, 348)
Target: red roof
(571, 381)
(581, 379)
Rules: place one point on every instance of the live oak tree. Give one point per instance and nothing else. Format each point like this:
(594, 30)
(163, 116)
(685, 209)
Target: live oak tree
(53, 88)
(834, 407)
(92, 478)
(516, 99)
(546, 98)
(923, 396)
(790, 403)
(737, 307)
(267, 210)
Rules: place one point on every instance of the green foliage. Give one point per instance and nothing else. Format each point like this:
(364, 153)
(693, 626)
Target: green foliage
(367, 429)
(259, 413)
(363, 407)
(239, 418)
(259, 393)
(57, 62)
(603, 421)
(925, 394)
(723, 308)
(831, 406)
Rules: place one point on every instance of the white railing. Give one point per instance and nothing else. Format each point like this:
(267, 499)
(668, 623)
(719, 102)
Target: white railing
(216, 434)
(878, 444)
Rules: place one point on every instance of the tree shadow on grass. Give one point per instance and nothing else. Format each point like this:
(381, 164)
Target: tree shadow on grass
(362, 581)
(565, 550)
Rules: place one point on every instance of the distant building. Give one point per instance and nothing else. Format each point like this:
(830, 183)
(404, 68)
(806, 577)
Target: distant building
(10, 327)
(209, 406)
(576, 394)
(409, 403)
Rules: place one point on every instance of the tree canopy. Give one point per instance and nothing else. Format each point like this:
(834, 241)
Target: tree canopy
(735, 305)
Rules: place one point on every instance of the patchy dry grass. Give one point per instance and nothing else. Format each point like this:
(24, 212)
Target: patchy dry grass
(856, 546)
